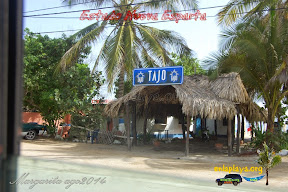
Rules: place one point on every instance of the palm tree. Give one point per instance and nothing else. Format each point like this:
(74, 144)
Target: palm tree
(268, 159)
(250, 48)
(130, 44)
(244, 9)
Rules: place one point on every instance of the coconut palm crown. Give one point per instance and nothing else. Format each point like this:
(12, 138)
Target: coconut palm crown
(130, 44)
(257, 48)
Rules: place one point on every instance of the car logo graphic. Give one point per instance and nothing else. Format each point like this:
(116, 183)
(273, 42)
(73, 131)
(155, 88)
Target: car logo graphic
(234, 179)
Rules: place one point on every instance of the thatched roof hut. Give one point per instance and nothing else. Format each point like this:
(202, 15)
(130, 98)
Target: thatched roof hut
(196, 96)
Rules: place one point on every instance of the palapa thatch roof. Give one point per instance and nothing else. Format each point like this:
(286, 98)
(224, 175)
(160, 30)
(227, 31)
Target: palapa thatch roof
(253, 112)
(196, 96)
(230, 87)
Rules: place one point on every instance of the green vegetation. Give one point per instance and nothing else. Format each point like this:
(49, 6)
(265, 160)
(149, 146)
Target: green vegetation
(268, 159)
(52, 94)
(88, 117)
(254, 44)
(189, 63)
(130, 44)
(279, 140)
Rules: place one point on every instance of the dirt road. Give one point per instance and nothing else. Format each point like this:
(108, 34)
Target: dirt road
(163, 160)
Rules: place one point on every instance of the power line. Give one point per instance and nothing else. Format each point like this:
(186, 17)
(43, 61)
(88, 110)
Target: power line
(36, 16)
(57, 31)
(283, 8)
(212, 7)
(49, 8)
(152, 22)
(100, 8)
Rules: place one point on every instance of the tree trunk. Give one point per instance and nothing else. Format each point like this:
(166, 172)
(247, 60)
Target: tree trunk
(266, 176)
(270, 122)
(270, 127)
(121, 83)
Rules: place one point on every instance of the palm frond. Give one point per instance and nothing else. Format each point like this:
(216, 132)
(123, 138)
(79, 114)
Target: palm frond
(236, 9)
(85, 31)
(115, 53)
(101, 53)
(153, 43)
(70, 57)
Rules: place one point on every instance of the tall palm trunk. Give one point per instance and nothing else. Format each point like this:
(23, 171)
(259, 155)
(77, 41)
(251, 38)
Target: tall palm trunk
(270, 121)
(121, 83)
(270, 127)
(127, 107)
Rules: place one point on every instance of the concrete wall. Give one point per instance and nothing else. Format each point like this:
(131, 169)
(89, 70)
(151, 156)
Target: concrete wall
(120, 125)
(210, 124)
(221, 129)
(174, 127)
(28, 117)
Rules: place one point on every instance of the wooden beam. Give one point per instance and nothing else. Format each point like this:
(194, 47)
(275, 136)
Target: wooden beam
(127, 125)
(215, 127)
(233, 131)
(134, 131)
(145, 126)
(242, 128)
(229, 139)
(187, 135)
(183, 125)
(238, 134)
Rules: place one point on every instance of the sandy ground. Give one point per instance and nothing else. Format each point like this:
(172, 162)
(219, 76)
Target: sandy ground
(167, 159)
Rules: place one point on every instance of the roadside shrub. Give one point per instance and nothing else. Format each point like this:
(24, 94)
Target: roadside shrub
(278, 140)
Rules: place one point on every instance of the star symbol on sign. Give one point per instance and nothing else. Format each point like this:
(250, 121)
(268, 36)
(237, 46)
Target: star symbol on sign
(140, 77)
(174, 76)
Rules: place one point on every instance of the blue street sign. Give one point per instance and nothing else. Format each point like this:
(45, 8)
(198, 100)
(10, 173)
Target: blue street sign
(158, 76)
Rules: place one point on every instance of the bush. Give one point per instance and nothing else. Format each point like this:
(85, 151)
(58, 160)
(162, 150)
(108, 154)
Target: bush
(278, 140)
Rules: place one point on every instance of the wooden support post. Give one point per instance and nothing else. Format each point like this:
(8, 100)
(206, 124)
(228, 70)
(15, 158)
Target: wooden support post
(215, 128)
(238, 134)
(134, 131)
(187, 135)
(242, 128)
(229, 139)
(127, 125)
(145, 126)
(183, 126)
(233, 132)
